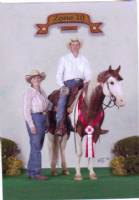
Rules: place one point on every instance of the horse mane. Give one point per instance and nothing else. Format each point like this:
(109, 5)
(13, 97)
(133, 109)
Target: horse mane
(93, 83)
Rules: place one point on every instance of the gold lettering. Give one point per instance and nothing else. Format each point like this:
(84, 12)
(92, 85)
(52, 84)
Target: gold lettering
(69, 18)
(79, 17)
(59, 19)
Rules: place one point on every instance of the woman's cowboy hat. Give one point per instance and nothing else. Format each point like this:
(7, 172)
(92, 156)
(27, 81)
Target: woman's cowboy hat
(74, 40)
(35, 73)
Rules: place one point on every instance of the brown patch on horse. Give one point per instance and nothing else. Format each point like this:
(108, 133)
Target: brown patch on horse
(103, 76)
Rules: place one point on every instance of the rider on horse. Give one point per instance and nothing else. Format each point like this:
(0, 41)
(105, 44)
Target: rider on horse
(72, 74)
(73, 71)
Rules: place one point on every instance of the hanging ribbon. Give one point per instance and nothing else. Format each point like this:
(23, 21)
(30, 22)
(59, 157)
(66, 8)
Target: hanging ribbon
(89, 142)
(89, 129)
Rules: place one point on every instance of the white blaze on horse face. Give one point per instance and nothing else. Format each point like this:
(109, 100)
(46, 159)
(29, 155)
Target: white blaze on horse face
(113, 87)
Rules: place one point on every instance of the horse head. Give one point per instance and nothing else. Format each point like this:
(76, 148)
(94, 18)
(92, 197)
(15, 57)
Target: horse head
(111, 85)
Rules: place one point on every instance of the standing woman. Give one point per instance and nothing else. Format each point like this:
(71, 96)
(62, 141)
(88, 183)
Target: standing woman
(36, 106)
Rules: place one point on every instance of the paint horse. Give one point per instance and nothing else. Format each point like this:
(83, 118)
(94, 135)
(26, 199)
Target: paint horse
(88, 118)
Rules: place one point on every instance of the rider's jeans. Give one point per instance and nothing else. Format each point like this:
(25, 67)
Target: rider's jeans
(64, 98)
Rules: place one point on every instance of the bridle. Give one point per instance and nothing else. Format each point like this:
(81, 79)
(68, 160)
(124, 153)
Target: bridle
(112, 99)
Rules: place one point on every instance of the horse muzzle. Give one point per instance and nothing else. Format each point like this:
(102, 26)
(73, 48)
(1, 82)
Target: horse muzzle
(120, 101)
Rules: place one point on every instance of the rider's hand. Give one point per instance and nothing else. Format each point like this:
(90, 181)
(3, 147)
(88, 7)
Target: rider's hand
(64, 90)
(69, 109)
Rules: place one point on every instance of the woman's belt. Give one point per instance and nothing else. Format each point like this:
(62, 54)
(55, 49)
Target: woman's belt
(40, 113)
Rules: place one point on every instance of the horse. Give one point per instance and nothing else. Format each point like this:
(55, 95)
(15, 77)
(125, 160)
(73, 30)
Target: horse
(88, 113)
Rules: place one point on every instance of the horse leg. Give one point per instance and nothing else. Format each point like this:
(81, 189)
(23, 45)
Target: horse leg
(52, 154)
(54, 150)
(62, 152)
(92, 174)
(78, 176)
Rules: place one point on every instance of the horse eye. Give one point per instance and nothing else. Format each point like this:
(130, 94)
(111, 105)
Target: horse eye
(112, 83)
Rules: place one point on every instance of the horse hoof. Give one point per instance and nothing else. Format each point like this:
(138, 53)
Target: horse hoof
(93, 177)
(65, 172)
(78, 178)
(54, 173)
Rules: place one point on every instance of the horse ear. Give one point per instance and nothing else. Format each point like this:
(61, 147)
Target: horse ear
(110, 68)
(117, 73)
(118, 69)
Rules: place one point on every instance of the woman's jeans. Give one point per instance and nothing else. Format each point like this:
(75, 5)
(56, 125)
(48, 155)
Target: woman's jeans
(36, 143)
(64, 98)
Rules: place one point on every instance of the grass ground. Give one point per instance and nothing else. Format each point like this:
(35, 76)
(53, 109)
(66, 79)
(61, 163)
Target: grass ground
(64, 187)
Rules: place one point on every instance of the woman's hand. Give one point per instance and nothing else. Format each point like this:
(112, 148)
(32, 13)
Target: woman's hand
(33, 130)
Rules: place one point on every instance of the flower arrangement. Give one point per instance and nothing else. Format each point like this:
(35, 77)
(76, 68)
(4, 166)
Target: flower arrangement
(13, 166)
(118, 164)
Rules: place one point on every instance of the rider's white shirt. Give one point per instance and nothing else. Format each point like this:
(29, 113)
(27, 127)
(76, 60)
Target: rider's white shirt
(71, 67)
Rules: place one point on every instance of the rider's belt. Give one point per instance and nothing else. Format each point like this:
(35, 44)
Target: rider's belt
(78, 79)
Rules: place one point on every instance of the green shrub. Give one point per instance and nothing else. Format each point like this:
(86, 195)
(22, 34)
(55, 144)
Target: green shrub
(132, 164)
(127, 146)
(9, 153)
(128, 150)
